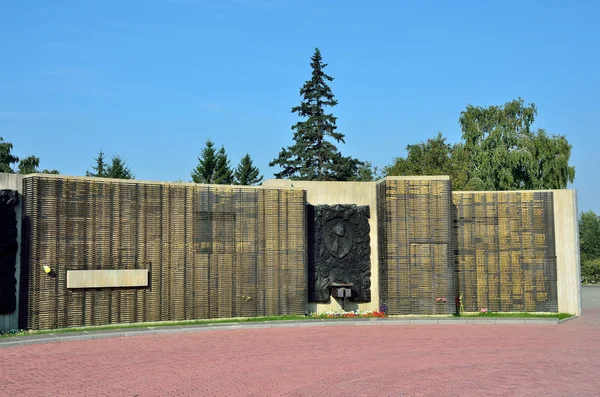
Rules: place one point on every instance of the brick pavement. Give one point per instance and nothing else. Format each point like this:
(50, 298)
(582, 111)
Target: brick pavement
(415, 360)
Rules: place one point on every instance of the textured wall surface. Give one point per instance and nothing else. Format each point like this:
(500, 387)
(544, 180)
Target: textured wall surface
(211, 251)
(416, 265)
(332, 193)
(506, 251)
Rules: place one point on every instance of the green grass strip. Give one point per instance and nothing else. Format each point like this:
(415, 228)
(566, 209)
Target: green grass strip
(13, 333)
(560, 316)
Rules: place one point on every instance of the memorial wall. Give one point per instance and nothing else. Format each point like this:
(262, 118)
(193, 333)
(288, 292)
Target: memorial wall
(97, 251)
(128, 251)
(417, 270)
(506, 251)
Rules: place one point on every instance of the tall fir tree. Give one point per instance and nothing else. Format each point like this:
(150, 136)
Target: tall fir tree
(99, 168)
(313, 157)
(246, 173)
(207, 163)
(118, 169)
(223, 174)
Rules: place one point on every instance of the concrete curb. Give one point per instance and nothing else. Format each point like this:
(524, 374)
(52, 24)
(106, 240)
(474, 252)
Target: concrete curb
(567, 319)
(25, 340)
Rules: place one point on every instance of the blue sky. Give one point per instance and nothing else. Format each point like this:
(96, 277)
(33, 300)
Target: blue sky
(152, 80)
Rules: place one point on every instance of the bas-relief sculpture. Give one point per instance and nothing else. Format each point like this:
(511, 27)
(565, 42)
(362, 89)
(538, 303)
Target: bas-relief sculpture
(8, 251)
(340, 252)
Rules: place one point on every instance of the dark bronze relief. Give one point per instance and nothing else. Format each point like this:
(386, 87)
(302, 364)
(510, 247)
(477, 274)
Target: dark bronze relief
(8, 251)
(340, 251)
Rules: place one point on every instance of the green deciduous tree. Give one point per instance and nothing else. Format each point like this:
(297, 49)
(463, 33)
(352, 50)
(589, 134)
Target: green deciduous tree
(223, 174)
(549, 162)
(433, 157)
(589, 235)
(589, 244)
(499, 151)
(246, 173)
(6, 157)
(29, 165)
(207, 163)
(365, 172)
(314, 155)
(503, 153)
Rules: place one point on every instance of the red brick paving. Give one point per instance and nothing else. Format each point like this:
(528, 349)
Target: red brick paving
(403, 360)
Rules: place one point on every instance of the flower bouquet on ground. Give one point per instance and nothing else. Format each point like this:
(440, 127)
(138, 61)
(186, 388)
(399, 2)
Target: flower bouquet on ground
(353, 314)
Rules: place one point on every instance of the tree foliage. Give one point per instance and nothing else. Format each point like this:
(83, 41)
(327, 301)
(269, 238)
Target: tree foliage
(6, 157)
(213, 166)
(207, 163)
(116, 169)
(589, 244)
(589, 235)
(99, 168)
(503, 153)
(247, 173)
(433, 157)
(365, 172)
(499, 151)
(28, 165)
(223, 174)
(314, 155)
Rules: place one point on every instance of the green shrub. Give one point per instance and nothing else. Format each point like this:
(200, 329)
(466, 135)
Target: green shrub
(590, 271)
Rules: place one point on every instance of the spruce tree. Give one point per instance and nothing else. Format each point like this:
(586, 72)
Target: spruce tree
(207, 163)
(99, 168)
(223, 174)
(313, 156)
(246, 173)
(118, 169)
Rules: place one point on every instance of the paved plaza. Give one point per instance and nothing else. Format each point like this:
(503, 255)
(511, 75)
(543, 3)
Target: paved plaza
(390, 360)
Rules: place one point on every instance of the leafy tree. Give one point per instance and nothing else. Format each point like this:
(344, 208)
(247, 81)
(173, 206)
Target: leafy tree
(365, 172)
(549, 162)
(313, 157)
(100, 168)
(223, 174)
(207, 163)
(6, 157)
(118, 169)
(29, 165)
(246, 173)
(433, 157)
(503, 153)
(589, 235)
(499, 151)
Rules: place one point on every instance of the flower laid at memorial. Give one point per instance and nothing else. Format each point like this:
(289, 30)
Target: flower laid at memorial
(353, 314)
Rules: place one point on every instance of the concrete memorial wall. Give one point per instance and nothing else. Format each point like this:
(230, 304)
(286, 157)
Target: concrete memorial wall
(97, 251)
(129, 251)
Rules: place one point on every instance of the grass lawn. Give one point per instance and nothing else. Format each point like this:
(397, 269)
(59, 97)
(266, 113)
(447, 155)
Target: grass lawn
(560, 316)
(9, 334)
